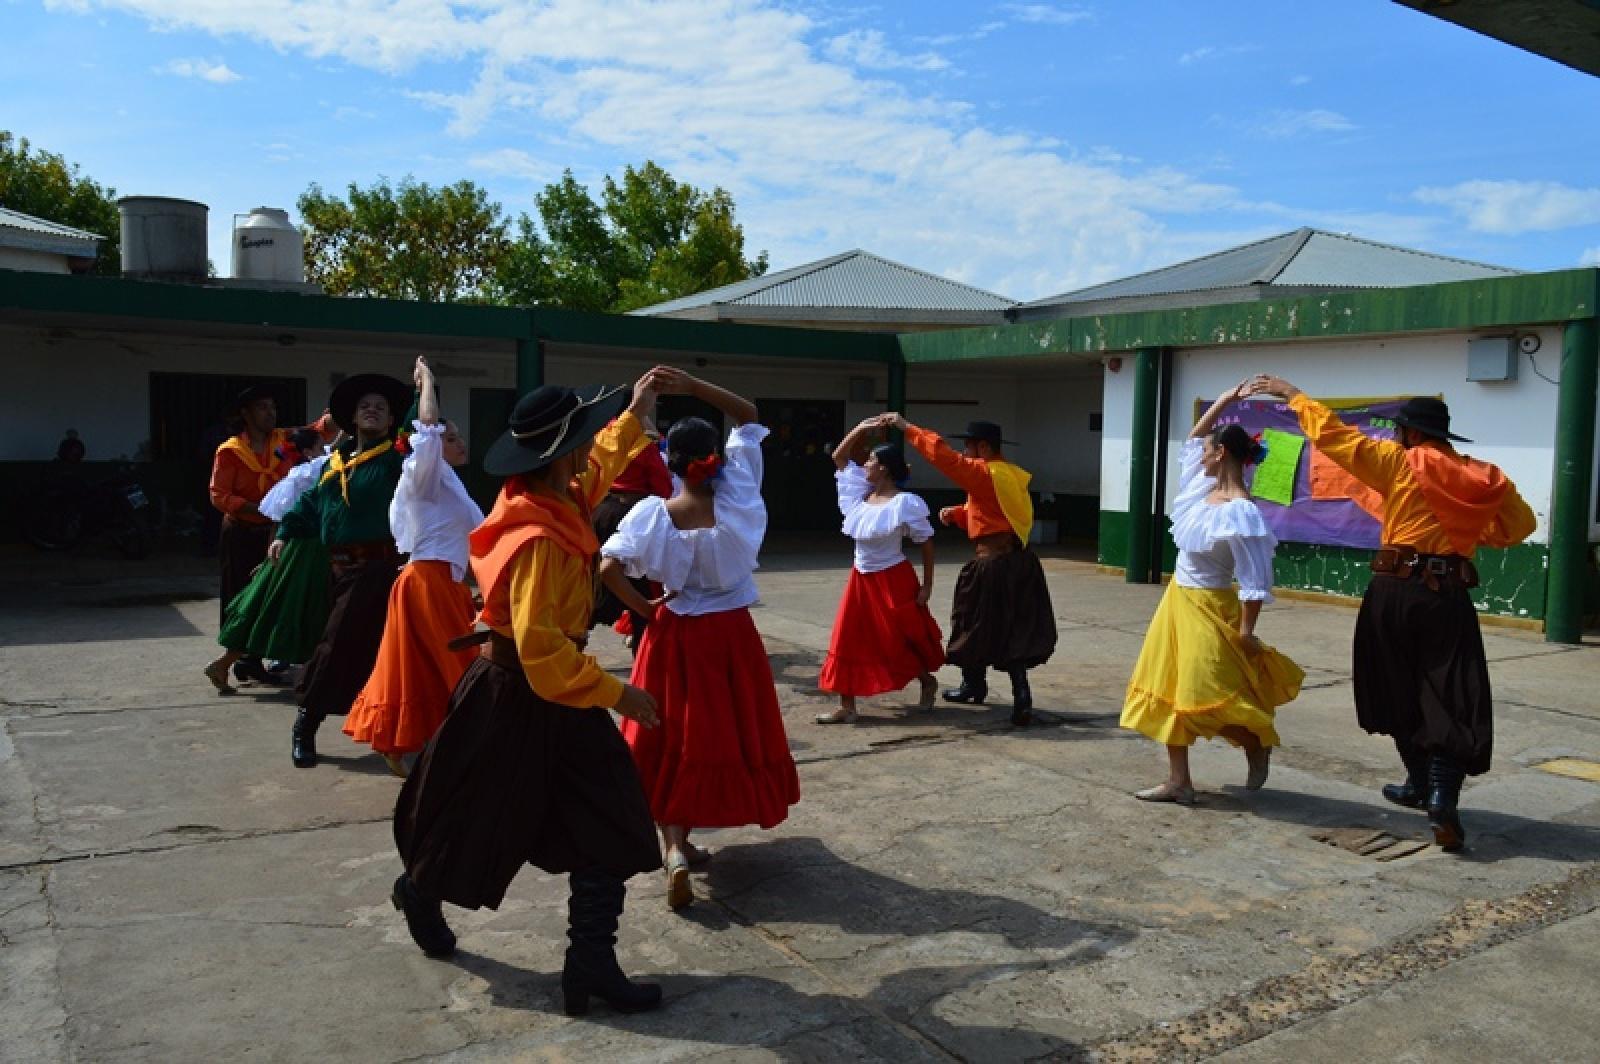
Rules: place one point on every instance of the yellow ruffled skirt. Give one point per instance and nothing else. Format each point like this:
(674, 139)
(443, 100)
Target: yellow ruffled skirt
(1196, 676)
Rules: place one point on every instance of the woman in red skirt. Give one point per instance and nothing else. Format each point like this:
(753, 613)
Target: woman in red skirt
(720, 757)
(884, 636)
(405, 699)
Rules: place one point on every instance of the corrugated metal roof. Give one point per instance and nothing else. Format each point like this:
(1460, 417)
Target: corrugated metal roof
(11, 219)
(1302, 258)
(853, 279)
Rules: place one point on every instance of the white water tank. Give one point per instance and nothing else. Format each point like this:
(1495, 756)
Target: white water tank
(163, 237)
(267, 247)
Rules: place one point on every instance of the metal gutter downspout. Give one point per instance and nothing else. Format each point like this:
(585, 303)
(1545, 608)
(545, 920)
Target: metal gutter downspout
(1571, 505)
(1141, 463)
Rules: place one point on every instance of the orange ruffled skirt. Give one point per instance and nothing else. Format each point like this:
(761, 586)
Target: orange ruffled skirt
(408, 694)
(1196, 676)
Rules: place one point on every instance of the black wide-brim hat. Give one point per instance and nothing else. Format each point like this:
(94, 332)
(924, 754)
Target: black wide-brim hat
(250, 395)
(987, 431)
(348, 392)
(550, 422)
(1430, 416)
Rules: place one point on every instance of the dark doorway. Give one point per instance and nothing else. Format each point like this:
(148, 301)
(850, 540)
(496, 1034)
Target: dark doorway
(798, 485)
(488, 413)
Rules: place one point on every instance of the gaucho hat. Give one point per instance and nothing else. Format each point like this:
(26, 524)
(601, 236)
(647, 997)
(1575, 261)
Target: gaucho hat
(348, 392)
(250, 395)
(987, 431)
(549, 422)
(1430, 416)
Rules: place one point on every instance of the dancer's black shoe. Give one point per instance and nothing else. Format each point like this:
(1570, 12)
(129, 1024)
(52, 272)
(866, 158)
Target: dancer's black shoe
(1444, 794)
(304, 748)
(424, 919)
(591, 968)
(974, 689)
(1413, 793)
(251, 670)
(1021, 699)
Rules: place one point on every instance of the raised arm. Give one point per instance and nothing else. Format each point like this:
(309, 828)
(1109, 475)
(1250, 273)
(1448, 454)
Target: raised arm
(846, 451)
(672, 381)
(1208, 420)
(427, 393)
(1376, 463)
(969, 474)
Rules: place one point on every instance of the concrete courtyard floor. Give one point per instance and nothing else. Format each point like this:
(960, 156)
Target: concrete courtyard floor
(172, 889)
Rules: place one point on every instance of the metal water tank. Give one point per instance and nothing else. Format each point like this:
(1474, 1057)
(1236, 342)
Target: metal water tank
(163, 237)
(268, 247)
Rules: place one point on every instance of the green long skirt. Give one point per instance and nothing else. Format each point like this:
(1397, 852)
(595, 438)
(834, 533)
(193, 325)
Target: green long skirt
(281, 612)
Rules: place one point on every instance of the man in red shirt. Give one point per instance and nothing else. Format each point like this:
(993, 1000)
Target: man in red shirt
(244, 470)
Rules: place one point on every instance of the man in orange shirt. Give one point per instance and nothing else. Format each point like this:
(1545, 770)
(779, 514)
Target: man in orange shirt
(244, 470)
(1419, 666)
(1001, 615)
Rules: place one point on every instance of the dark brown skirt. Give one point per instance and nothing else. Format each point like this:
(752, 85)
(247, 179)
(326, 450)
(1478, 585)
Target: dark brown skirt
(241, 548)
(1420, 671)
(348, 649)
(511, 779)
(1002, 617)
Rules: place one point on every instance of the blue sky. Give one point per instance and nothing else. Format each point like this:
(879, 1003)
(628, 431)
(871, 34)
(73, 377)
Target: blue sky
(1028, 148)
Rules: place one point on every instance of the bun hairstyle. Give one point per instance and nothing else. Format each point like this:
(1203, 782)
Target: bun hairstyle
(893, 459)
(689, 440)
(1239, 445)
(306, 443)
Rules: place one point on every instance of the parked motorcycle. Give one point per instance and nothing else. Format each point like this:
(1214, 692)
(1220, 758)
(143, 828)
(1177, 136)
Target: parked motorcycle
(67, 510)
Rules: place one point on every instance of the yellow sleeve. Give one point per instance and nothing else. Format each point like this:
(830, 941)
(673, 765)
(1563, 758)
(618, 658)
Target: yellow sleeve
(614, 447)
(1514, 522)
(556, 669)
(1376, 463)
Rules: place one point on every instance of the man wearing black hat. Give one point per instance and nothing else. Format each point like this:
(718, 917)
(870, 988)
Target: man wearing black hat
(1002, 615)
(1420, 672)
(245, 468)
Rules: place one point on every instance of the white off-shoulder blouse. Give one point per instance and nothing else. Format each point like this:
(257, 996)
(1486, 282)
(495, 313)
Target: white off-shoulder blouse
(878, 528)
(1218, 544)
(431, 514)
(709, 568)
(282, 496)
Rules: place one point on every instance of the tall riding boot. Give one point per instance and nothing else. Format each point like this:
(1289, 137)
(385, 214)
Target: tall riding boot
(304, 750)
(593, 906)
(1021, 698)
(1413, 793)
(1444, 792)
(424, 918)
(974, 687)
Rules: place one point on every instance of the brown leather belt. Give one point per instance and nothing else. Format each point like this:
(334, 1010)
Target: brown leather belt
(1403, 563)
(995, 544)
(500, 649)
(630, 499)
(373, 550)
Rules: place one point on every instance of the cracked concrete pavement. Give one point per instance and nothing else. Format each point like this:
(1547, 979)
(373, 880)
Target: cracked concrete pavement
(171, 889)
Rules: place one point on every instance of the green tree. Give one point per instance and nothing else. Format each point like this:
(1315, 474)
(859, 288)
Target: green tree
(406, 241)
(46, 186)
(651, 239)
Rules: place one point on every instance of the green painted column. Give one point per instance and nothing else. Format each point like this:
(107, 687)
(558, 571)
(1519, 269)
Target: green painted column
(1571, 501)
(530, 365)
(1142, 463)
(897, 386)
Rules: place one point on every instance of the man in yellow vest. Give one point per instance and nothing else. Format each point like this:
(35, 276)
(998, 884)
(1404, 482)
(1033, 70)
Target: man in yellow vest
(1002, 615)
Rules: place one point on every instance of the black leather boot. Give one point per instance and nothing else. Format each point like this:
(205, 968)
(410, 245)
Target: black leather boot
(1021, 699)
(591, 969)
(974, 688)
(424, 919)
(304, 750)
(1444, 792)
(1413, 793)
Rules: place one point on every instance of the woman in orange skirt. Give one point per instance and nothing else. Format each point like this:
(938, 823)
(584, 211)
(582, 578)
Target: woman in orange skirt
(408, 693)
(883, 637)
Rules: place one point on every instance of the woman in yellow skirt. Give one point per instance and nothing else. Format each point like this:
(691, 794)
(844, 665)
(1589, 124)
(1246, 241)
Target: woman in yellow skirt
(1202, 672)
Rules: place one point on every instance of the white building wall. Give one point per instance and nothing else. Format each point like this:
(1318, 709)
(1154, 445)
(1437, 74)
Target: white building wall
(33, 261)
(1057, 444)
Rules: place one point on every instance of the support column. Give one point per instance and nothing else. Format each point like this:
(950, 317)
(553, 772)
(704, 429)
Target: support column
(1142, 463)
(1571, 498)
(897, 386)
(530, 365)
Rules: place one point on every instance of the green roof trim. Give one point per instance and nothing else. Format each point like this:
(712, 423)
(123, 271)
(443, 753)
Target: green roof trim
(712, 337)
(1527, 299)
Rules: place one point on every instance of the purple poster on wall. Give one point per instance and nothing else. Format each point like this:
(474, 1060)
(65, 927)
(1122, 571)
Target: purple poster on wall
(1327, 505)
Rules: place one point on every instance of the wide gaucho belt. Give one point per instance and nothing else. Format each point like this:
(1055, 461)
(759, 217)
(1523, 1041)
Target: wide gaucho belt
(995, 544)
(500, 649)
(1403, 563)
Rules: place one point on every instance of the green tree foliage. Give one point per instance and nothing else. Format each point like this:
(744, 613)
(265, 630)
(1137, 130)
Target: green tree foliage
(405, 241)
(652, 238)
(46, 186)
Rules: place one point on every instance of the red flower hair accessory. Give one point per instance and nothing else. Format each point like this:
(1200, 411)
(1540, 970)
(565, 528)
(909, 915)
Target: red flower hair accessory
(703, 469)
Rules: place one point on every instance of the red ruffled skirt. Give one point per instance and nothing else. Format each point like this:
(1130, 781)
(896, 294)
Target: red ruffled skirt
(882, 640)
(720, 757)
(407, 695)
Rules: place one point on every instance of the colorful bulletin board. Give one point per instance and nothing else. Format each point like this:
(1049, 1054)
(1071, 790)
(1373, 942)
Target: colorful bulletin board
(1304, 497)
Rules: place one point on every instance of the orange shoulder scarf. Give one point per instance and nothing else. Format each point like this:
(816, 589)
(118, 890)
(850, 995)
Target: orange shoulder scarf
(519, 517)
(1463, 493)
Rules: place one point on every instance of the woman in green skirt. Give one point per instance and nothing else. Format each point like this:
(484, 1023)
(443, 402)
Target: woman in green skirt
(281, 612)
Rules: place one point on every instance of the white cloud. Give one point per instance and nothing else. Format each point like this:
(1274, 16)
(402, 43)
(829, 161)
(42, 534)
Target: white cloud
(1283, 124)
(1300, 79)
(513, 162)
(1512, 207)
(214, 71)
(1190, 58)
(866, 49)
(1046, 14)
(1590, 257)
(745, 94)
(978, 33)
(1209, 51)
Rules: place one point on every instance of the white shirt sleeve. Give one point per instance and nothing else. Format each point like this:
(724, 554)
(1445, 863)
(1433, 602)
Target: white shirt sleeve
(851, 484)
(1193, 485)
(914, 517)
(1252, 567)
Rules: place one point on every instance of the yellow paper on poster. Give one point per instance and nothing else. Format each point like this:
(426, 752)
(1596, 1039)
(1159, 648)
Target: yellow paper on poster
(1274, 479)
